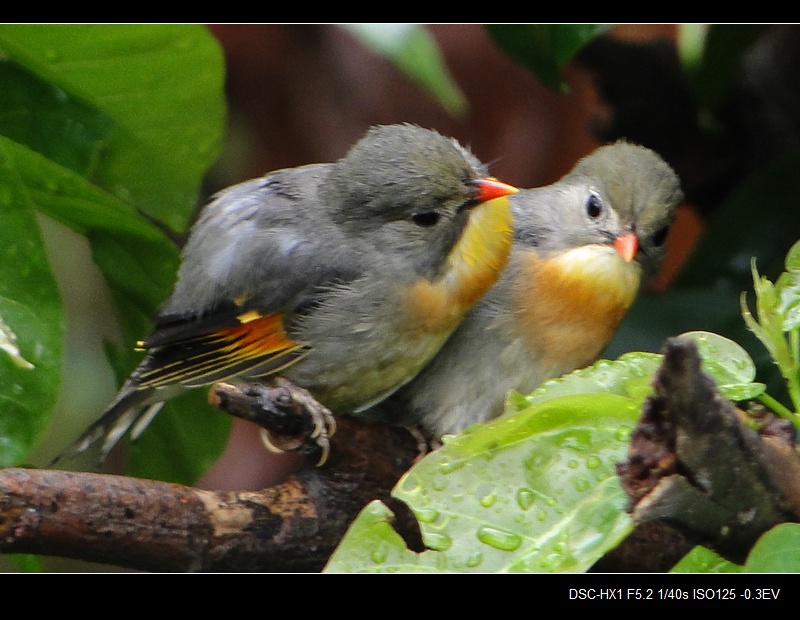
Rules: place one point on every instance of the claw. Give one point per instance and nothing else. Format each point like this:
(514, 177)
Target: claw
(325, 447)
(281, 409)
(324, 423)
(323, 444)
(267, 441)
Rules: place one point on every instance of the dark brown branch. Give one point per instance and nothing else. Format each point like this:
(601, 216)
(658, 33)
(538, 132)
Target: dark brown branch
(695, 474)
(695, 465)
(156, 526)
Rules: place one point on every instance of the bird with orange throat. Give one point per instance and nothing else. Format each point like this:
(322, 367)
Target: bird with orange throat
(582, 247)
(343, 278)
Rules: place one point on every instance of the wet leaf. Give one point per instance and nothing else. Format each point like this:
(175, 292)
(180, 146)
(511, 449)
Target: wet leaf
(777, 551)
(533, 491)
(703, 560)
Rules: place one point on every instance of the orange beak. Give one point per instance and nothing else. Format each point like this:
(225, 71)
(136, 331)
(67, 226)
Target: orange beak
(627, 245)
(490, 188)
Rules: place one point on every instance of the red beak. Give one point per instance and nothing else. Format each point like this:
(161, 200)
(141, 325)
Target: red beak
(490, 188)
(627, 245)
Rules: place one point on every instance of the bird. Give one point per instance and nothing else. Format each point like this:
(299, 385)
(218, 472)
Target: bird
(342, 278)
(582, 246)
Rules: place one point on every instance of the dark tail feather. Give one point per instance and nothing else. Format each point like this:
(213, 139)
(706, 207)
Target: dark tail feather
(130, 405)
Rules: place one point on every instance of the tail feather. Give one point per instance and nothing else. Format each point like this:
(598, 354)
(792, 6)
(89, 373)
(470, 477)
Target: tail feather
(143, 420)
(131, 407)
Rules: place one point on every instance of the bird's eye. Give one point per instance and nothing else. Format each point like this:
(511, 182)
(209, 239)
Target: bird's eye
(660, 236)
(594, 206)
(425, 218)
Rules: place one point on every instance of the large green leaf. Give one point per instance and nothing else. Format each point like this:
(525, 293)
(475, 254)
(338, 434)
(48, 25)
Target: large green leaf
(535, 491)
(372, 545)
(34, 184)
(703, 560)
(776, 551)
(97, 123)
(50, 121)
(31, 311)
(160, 87)
(631, 374)
(628, 376)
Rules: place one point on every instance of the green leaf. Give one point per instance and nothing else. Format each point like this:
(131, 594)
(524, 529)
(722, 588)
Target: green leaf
(776, 305)
(8, 345)
(777, 551)
(534, 491)
(97, 122)
(152, 104)
(787, 288)
(136, 258)
(30, 307)
(628, 376)
(415, 52)
(71, 198)
(371, 545)
(50, 121)
(729, 365)
(544, 48)
(703, 560)
(723, 358)
(631, 374)
(28, 563)
(793, 258)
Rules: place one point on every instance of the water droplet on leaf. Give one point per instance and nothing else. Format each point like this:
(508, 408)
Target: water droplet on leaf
(525, 498)
(438, 541)
(499, 539)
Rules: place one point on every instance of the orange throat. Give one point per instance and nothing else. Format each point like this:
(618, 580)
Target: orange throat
(473, 266)
(569, 306)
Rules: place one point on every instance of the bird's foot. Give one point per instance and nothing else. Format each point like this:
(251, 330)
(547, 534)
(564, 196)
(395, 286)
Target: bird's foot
(290, 418)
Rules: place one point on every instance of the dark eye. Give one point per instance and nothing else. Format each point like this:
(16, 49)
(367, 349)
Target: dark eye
(425, 218)
(594, 206)
(660, 236)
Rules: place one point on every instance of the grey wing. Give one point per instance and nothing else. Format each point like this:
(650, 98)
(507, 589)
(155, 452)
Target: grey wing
(266, 243)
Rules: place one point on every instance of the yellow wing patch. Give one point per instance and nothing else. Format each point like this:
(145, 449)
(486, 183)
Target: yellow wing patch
(257, 345)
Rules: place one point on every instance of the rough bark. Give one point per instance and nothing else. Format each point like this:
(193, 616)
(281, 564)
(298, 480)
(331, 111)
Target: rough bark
(156, 526)
(697, 464)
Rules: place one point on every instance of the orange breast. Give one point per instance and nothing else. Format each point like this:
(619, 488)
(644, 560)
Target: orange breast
(568, 307)
(431, 309)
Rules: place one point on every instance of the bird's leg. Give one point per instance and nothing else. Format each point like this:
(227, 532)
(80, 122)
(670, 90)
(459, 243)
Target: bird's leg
(426, 443)
(290, 418)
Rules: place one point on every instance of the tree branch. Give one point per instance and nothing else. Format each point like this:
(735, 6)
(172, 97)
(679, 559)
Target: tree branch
(696, 465)
(157, 526)
(696, 474)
